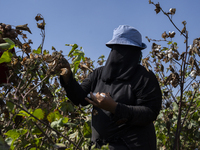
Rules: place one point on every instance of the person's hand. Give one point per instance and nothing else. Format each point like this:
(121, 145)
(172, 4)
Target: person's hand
(63, 63)
(106, 103)
(65, 69)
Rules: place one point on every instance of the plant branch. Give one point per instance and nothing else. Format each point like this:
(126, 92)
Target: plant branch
(170, 20)
(44, 133)
(188, 109)
(35, 86)
(44, 123)
(177, 135)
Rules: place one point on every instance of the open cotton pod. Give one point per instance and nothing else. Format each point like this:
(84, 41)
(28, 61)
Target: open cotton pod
(95, 95)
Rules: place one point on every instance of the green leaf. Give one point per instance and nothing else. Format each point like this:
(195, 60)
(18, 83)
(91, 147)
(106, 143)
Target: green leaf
(75, 68)
(8, 45)
(4, 46)
(12, 44)
(59, 145)
(74, 47)
(54, 116)
(73, 135)
(77, 59)
(57, 123)
(35, 131)
(45, 52)
(14, 134)
(33, 148)
(66, 107)
(57, 115)
(87, 132)
(23, 113)
(70, 124)
(3, 144)
(6, 57)
(169, 43)
(9, 141)
(38, 51)
(53, 48)
(39, 113)
(51, 117)
(65, 120)
(70, 107)
(10, 106)
(101, 57)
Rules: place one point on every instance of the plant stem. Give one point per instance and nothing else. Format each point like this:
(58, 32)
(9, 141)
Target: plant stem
(188, 109)
(44, 123)
(178, 130)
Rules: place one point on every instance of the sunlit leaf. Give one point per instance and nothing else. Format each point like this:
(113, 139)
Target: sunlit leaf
(51, 117)
(169, 43)
(6, 57)
(74, 47)
(57, 115)
(12, 135)
(39, 113)
(23, 113)
(45, 52)
(54, 116)
(65, 120)
(9, 141)
(8, 45)
(53, 48)
(87, 132)
(70, 124)
(38, 51)
(59, 145)
(57, 123)
(73, 135)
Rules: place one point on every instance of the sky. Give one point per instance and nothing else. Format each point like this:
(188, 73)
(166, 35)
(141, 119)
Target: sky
(90, 23)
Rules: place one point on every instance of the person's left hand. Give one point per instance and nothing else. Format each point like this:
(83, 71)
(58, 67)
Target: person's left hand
(106, 103)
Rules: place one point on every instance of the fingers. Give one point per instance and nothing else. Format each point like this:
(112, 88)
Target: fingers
(93, 97)
(108, 94)
(90, 101)
(64, 63)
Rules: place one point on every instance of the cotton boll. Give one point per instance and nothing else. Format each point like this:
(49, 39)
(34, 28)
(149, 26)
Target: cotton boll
(172, 10)
(195, 85)
(170, 51)
(170, 55)
(193, 73)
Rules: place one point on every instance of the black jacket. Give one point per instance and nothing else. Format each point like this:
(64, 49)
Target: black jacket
(139, 102)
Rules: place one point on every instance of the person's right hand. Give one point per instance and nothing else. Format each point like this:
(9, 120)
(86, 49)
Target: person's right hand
(65, 69)
(63, 63)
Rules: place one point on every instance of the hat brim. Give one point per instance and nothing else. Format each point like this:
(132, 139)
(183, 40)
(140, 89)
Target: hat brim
(124, 42)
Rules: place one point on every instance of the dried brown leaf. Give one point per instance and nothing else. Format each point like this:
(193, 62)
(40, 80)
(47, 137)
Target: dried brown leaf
(23, 27)
(38, 17)
(158, 8)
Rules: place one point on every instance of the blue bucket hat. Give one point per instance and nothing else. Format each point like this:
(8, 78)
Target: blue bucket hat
(126, 35)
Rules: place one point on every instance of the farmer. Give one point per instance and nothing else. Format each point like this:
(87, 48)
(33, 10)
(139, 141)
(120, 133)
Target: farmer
(128, 97)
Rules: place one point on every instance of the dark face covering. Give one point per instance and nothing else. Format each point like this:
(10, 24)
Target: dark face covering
(121, 63)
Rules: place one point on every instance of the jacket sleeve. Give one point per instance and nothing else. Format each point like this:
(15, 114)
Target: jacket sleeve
(77, 92)
(148, 103)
